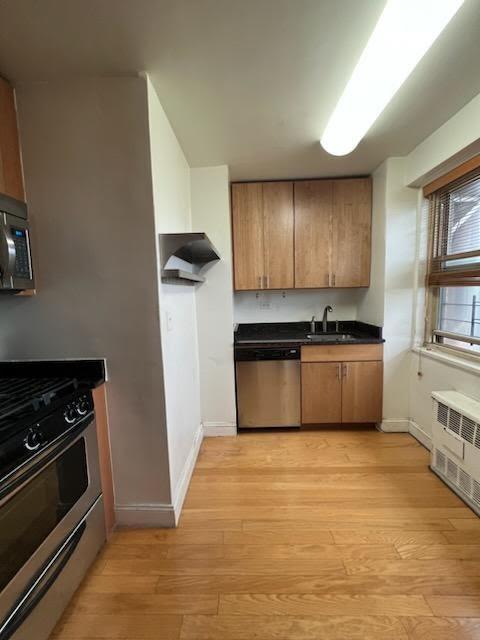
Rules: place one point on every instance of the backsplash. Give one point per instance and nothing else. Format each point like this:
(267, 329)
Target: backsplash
(294, 306)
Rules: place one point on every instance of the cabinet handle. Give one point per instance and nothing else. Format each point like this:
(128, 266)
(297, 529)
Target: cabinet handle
(333, 278)
(260, 282)
(344, 369)
(267, 281)
(338, 371)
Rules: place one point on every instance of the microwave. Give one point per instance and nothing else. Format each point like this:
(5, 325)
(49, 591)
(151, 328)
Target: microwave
(16, 271)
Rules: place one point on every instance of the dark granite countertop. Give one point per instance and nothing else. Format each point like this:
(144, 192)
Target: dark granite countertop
(295, 333)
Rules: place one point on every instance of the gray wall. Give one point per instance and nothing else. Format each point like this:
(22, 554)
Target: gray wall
(88, 181)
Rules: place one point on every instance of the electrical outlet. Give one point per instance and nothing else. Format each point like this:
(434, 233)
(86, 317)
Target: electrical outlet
(265, 304)
(169, 320)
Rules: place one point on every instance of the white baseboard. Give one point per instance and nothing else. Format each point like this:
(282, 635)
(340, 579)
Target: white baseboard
(182, 487)
(145, 515)
(160, 514)
(422, 436)
(406, 426)
(394, 426)
(212, 429)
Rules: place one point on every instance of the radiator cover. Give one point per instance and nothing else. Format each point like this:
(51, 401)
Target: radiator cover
(456, 444)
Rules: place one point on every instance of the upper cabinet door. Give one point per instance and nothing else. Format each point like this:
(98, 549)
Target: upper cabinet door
(278, 234)
(11, 178)
(248, 246)
(313, 213)
(351, 241)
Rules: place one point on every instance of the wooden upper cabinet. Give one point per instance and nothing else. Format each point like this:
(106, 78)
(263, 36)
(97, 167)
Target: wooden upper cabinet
(308, 234)
(11, 178)
(248, 247)
(313, 213)
(262, 219)
(278, 234)
(351, 232)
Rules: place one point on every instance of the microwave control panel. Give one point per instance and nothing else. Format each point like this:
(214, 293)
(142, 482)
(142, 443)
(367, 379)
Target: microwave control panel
(22, 254)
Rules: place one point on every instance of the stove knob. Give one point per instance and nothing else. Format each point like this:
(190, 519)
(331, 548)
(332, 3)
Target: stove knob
(82, 407)
(70, 414)
(33, 440)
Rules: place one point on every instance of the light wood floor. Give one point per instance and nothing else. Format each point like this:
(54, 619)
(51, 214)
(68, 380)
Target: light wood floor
(318, 535)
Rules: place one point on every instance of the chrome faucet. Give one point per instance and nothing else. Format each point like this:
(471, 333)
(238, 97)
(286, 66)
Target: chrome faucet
(324, 319)
(312, 325)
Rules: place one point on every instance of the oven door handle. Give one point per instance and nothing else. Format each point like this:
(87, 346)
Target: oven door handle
(41, 584)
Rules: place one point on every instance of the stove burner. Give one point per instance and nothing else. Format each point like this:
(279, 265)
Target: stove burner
(20, 397)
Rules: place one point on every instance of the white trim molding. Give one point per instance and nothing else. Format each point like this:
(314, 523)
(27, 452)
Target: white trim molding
(182, 487)
(419, 434)
(145, 515)
(451, 360)
(394, 426)
(162, 515)
(407, 426)
(212, 429)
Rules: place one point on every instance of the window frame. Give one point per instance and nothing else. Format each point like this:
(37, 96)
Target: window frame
(438, 276)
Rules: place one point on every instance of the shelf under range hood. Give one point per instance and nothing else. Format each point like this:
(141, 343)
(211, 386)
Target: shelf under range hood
(193, 248)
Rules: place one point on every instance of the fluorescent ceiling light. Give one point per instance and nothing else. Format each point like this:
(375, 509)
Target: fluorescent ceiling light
(404, 33)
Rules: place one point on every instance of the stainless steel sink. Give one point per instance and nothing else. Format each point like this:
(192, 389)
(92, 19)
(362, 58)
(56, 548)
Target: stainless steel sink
(330, 337)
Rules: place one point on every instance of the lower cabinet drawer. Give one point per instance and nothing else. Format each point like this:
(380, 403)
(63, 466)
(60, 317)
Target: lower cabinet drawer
(342, 353)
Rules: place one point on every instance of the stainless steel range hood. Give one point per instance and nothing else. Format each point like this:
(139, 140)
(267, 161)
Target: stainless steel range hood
(193, 248)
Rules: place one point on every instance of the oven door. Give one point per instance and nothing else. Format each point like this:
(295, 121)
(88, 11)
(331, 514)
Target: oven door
(41, 513)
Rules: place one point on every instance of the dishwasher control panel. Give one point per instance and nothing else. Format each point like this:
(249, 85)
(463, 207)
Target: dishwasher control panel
(252, 354)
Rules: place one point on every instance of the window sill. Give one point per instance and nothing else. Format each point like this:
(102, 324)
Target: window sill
(453, 360)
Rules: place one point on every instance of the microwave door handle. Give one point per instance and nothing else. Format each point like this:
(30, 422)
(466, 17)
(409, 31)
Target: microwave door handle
(40, 584)
(8, 252)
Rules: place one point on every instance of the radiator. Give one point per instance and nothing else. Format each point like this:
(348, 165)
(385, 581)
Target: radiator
(456, 444)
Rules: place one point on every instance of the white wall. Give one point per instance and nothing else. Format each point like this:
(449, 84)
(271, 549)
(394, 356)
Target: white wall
(89, 191)
(436, 375)
(451, 144)
(389, 302)
(372, 305)
(457, 140)
(171, 195)
(295, 306)
(400, 245)
(211, 214)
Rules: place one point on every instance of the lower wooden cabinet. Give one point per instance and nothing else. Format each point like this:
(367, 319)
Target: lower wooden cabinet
(362, 384)
(343, 391)
(325, 406)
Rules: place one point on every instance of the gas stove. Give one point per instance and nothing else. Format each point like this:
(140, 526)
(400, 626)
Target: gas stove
(51, 507)
(34, 412)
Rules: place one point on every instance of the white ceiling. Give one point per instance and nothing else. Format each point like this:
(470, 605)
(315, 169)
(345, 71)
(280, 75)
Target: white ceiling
(248, 83)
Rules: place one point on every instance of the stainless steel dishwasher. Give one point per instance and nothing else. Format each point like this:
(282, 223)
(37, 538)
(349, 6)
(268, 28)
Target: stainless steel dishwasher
(268, 386)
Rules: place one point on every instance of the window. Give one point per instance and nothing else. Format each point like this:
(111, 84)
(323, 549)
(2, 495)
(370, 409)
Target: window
(453, 278)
